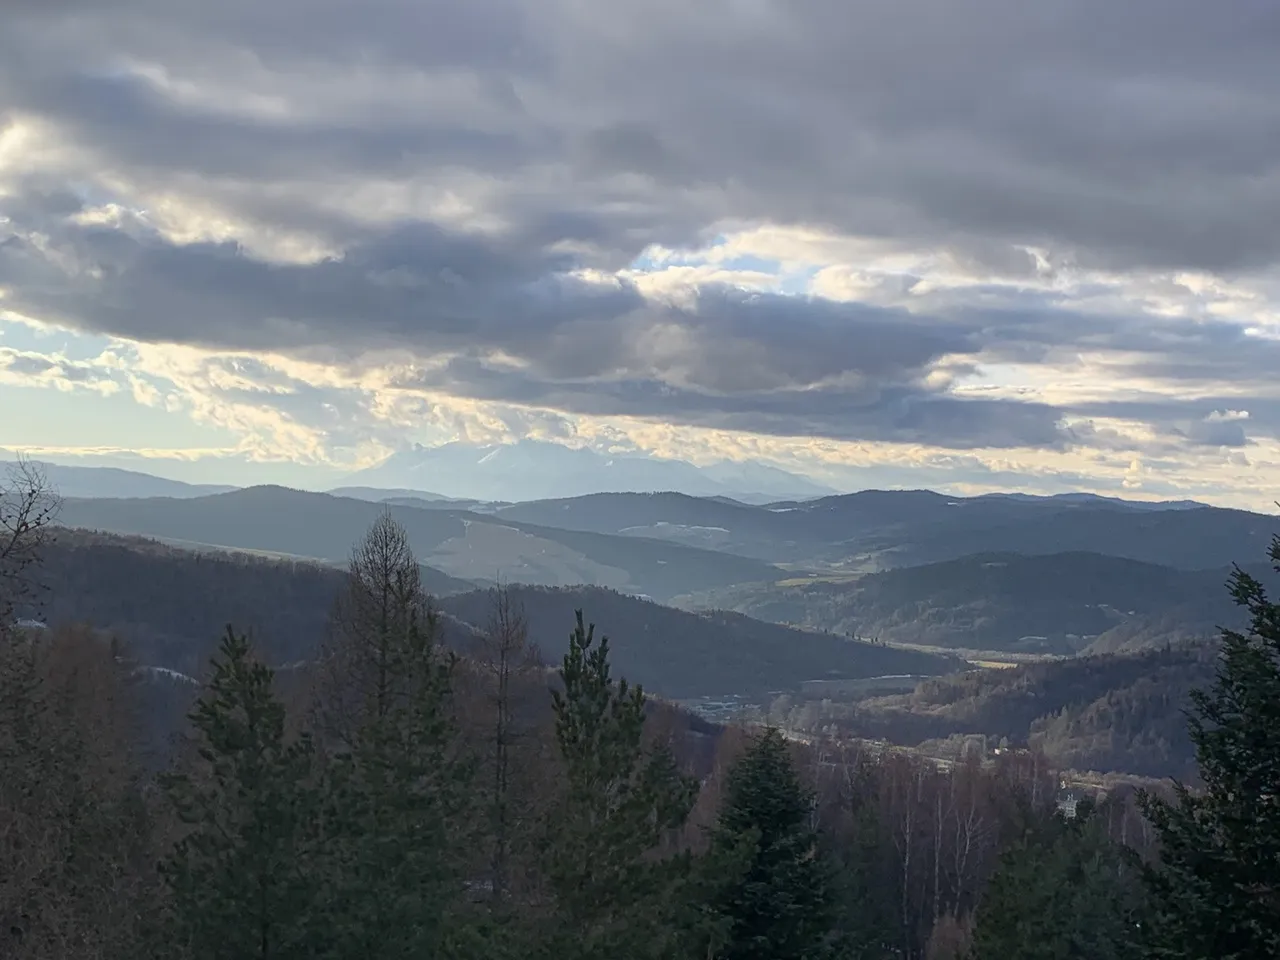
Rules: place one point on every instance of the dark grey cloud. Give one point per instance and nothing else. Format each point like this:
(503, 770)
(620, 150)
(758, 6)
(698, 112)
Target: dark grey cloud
(1140, 133)
(766, 363)
(1213, 421)
(1125, 135)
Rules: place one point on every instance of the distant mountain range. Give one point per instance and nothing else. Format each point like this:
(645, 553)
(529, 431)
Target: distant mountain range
(667, 544)
(534, 470)
(1093, 498)
(472, 546)
(1128, 593)
(114, 482)
(881, 529)
(472, 474)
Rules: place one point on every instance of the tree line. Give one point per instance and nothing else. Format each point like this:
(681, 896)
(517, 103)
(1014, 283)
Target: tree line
(403, 799)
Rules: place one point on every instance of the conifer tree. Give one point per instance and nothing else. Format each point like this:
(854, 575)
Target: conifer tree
(781, 903)
(241, 877)
(866, 901)
(1217, 883)
(1064, 892)
(612, 896)
(395, 780)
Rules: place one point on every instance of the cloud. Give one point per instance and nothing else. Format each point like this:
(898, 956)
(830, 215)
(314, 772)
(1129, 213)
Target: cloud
(497, 321)
(24, 368)
(1046, 227)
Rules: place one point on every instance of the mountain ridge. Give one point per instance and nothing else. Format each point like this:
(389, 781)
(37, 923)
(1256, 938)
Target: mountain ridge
(463, 544)
(535, 469)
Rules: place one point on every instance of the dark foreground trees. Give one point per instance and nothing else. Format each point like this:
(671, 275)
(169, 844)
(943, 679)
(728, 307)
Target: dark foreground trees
(553, 822)
(613, 897)
(770, 886)
(395, 782)
(1217, 884)
(244, 875)
(76, 875)
(1064, 892)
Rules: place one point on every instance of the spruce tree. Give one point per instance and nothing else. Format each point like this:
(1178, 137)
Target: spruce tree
(1063, 892)
(1217, 883)
(241, 877)
(781, 902)
(866, 902)
(613, 897)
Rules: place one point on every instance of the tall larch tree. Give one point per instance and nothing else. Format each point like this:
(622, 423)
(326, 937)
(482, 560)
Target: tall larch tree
(396, 779)
(508, 666)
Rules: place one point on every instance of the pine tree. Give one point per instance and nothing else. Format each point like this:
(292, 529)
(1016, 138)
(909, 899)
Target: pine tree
(612, 896)
(395, 782)
(781, 902)
(240, 878)
(1064, 892)
(1218, 880)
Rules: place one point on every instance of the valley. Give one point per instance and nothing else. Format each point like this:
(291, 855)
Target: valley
(832, 614)
(741, 480)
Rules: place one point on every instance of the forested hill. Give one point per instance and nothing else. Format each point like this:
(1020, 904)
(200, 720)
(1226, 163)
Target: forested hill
(1058, 603)
(1107, 713)
(172, 605)
(683, 654)
(463, 544)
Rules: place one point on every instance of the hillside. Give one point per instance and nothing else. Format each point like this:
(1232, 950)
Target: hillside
(882, 529)
(1105, 713)
(467, 545)
(717, 524)
(1051, 604)
(680, 654)
(115, 482)
(171, 605)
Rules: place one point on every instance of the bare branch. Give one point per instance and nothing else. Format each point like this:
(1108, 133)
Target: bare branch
(383, 626)
(29, 508)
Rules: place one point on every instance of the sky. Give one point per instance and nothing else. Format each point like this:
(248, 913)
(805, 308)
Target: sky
(965, 244)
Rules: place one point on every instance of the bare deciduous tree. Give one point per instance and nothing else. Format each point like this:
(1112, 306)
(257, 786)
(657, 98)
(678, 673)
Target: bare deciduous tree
(383, 629)
(74, 845)
(28, 508)
(506, 660)
(401, 829)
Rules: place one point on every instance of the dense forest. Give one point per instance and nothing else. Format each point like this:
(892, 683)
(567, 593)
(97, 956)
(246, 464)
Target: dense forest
(1115, 713)
(1062, 603)
(684, 655)
(171, 604)
(394, 797)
